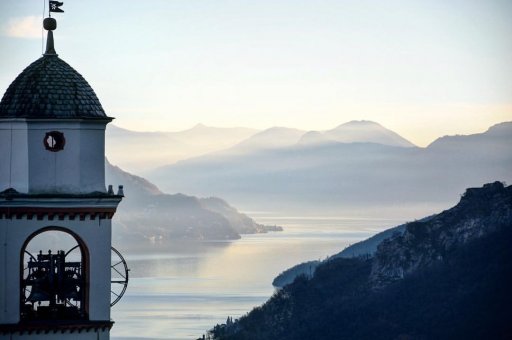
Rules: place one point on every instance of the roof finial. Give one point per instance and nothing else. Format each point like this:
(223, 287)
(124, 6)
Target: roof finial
(50, 24)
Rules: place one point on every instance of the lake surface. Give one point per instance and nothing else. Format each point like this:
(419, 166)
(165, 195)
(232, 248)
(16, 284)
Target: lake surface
(183, 290)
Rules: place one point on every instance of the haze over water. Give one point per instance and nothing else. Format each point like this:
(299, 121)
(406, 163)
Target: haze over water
(181, 292)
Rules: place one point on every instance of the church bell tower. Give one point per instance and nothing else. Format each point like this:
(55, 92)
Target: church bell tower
(55, 211)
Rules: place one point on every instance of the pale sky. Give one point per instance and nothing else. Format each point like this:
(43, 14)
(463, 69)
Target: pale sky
(421, 68)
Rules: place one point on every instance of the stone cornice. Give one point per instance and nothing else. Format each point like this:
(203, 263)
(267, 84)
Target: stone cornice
(58, 206)
(56, 213)
(55, 326)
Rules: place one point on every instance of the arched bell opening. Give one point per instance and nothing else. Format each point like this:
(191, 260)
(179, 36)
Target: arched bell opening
(54, 276)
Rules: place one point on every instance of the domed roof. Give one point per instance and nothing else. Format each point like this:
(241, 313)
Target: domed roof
(50, 88)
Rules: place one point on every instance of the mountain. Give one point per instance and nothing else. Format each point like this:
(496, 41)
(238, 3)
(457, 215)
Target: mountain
(366, 247)
(447, 277)
(213, 137)
(480, 212)
(363, 248)
(241, 223)
(141, 151)
(357, 131)
(304, 269)
(147, 216)
(362, 131)
(347, 178)
(273, 138)
(464, 147)
(314, 138)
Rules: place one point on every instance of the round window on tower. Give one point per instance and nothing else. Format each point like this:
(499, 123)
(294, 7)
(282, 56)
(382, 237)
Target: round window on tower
(54, 141)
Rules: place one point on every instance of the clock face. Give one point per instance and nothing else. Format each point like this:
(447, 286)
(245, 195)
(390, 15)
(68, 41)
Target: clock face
(54, 141)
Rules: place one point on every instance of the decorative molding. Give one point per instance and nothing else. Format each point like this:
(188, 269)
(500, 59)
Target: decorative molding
(40, 213)
(46, 327)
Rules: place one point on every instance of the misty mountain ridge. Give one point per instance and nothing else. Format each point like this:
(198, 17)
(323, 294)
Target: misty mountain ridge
(201, 134)
(362, 131)
(356, 131)
(481, 140)
(347, 178)
(142, 151)
(283, 138)
(148, 217)
(272, 138)
(149, 150)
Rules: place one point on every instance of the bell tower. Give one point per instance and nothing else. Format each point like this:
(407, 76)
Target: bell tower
(55, 212)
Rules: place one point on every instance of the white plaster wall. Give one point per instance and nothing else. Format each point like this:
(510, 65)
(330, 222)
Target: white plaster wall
(96, 234)
(5, 165)
(92, 335)
(79, 168)
(4, 256)
(13, 155)
(45, 167)
(92, 157)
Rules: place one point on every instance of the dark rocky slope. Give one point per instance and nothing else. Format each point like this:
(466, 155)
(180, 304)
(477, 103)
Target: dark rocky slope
(366, 247)
(445, 278)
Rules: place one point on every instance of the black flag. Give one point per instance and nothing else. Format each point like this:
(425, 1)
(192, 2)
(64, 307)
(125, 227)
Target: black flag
(54, 6)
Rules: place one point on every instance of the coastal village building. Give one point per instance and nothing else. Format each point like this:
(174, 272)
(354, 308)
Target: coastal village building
(52, 180)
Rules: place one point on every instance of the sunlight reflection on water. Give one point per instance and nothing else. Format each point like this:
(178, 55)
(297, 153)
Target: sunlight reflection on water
(183, 291)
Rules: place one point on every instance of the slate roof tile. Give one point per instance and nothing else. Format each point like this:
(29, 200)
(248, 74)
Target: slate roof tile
(50, 88)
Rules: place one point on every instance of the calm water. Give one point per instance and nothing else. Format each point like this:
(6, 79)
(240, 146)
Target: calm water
(181, 291)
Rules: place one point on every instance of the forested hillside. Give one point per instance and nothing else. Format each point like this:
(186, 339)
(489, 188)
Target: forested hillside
(448, 277)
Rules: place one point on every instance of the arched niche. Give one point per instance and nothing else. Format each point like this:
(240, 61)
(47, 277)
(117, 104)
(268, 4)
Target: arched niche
(54, 276)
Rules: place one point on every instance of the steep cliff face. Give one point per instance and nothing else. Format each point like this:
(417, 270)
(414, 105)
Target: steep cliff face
(479, 212)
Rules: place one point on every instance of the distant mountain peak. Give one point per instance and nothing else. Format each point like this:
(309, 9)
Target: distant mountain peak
(200, 126)
(359, 123)
(500, 130)
(197, 127)
(357, 131)
(271, 138)
(501, 127)
(279, 129)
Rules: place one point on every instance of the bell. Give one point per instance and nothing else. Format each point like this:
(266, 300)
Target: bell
(70, 292)
(70, 287)
(37, 295)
